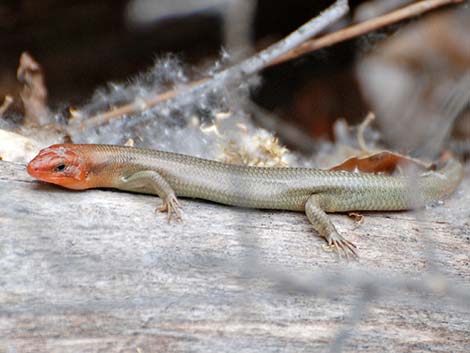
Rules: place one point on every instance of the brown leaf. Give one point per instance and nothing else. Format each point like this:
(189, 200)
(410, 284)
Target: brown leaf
(358, 218)
(384, 161)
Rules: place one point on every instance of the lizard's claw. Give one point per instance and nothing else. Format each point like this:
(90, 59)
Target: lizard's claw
(342, 246)
(171, 205)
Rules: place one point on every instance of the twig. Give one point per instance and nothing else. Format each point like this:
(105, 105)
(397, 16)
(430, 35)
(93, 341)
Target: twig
(134, 107)
(237, 72)
(261, 60)
(363, 28)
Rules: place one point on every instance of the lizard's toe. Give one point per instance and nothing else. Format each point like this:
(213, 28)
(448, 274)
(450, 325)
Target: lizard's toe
(342, 246)
(172, 206)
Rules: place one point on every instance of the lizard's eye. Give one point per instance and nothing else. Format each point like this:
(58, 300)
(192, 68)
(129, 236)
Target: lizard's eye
(60, 167)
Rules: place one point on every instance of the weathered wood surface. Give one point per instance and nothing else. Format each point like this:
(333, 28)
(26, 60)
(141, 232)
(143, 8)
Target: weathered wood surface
(98, 271)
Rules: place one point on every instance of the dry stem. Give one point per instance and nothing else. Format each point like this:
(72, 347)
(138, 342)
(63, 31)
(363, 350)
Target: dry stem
(356, 30)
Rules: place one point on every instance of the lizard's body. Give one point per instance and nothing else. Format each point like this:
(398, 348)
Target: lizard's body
(169, 174)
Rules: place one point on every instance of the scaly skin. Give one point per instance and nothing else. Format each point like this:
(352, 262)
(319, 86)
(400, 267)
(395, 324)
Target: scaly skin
(311, 190)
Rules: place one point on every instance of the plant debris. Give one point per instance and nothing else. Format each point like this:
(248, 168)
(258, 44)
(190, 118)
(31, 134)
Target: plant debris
(34, 93)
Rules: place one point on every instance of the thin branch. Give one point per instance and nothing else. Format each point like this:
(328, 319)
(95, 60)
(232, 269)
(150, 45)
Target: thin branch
(359, 29)
(136, 107)
(261, 60)
(237, 72)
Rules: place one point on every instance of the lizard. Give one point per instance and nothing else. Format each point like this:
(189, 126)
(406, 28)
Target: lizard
(313, 191)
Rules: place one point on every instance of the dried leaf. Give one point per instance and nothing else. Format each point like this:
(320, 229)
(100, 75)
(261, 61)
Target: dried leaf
(34, 93)
(358, 218)
(384, 161)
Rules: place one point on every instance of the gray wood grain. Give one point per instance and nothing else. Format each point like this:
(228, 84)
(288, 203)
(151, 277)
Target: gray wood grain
(99, 271)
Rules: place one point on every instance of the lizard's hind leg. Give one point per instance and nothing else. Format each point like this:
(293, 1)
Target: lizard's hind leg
(323, 225)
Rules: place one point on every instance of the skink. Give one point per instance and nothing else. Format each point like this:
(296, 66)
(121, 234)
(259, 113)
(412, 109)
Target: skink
(313, 191)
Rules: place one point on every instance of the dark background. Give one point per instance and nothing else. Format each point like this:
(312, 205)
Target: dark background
(84, 44)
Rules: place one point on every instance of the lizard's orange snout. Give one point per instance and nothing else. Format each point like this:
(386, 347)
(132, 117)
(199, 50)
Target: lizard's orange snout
(61, 165)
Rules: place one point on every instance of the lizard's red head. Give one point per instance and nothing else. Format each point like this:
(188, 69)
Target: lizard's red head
(62, 165)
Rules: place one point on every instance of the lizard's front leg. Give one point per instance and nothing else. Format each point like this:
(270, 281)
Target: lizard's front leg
(151, 178)
(322, 224)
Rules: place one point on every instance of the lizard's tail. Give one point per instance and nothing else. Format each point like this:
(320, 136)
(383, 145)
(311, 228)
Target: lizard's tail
(442, 182)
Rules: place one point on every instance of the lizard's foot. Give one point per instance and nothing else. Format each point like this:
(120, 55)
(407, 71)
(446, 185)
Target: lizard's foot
(171, 205)
(341, 245)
